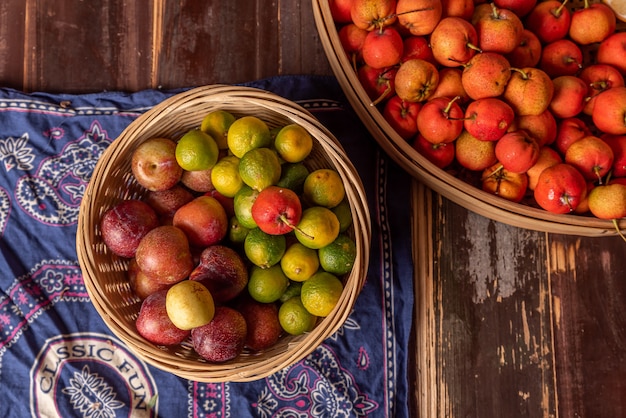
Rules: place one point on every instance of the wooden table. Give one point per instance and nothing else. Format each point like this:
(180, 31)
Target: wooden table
(508, 322)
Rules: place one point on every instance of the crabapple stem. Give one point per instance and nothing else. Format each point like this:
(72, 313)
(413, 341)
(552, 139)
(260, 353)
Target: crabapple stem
(619, 232)
(287, 222)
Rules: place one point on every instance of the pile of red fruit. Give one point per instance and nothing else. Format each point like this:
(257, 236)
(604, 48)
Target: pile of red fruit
(524, 99)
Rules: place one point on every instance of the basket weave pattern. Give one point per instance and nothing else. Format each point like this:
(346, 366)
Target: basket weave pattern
(104, 273)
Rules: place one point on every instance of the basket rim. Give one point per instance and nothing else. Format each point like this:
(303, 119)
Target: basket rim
(442, 182)
(250, 367)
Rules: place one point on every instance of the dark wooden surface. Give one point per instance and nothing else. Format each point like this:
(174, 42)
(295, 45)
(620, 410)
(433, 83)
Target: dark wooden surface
(509, 322)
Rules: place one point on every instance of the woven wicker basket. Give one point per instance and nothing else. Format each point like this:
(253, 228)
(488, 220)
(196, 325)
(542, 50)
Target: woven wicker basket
(105, 274)
(440, 181)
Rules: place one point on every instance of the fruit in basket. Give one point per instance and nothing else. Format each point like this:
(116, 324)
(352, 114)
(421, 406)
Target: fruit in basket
(225, 176)
(263, 326)
(321, 293)
(294, 318)
(378, 83)
(416, 80)
(154, 164)
(267, 285)
(317, 228)
(474, 154)
(223, 271)
(154, 324)
(419, 17)
(340, 10)
(450, 85)
(293, 143)
(569, 96)
(198, 181)
(609, 113)
(247, 133)
(560, 188)
(260, 168)
(402, 116)
(547, 158)
(592, 23)
(223, 338)
(276, 210)
(599, 78)
(609, 202)
(517, 151)
(441, 154)
(203, 220)
(591, 156)
(568, 131)
(382, 47)
(440, 119)
(189, 304)
(167, 202)
(196, 150)
(498, 29)
(520, 7)
(262, 249)
(529, 91)
(292, 176)
(458, 8)
(561, 57)
(417, 47)
(164, 254)
(488, 119)
(542, 127)
(527, 53)
(323, 187)
(140, 283)
(612, 51)
(618, 145)
(503, 183)
(486, 75)
(299, 262)
(372, 14)
(124, 225)
(216, 123)
(352, 38)
(454, 41)
(338, 257)
(549, 20)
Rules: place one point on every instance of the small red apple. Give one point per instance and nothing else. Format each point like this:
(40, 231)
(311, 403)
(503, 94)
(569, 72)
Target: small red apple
(517, 151)
(440, 119)
(501, 182)
(488, 119)
(440, 154)
(382, 48)
(618, 145)
(402, 116)
(560, 188)
(378, 83)
(568, 131)
(591, 156)
(276, 210)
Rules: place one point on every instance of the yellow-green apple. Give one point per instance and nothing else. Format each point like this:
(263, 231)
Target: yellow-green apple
(223, 338)
(517, 151)
(458, 8)
(609, 111)
(416, 80)
(154, 324)
(569, 130)
(486, 75)
(450, 84)
(419, 16)
(613, 51)
(501, 182)
(382, 47)
(528, 91)
(498, 29)
(520, 7)
(547, 158)
(164, 254)
(591, 156)
(473, 153)
(488, 119)
(542, 127)
(453, 41)
(124, 225)
(561, 57)
(609, 202)
(417, 47)
(569, 96)
(351, 38)
(549, 20)
(340, 10)
(440, 154)
(440, 119)
(222, 271)
(371, 14)
(560, 188)
(378, 83)
(527, 53)
(140, 283)
(618, 145)
(592, 23)
(154, 165)
(599, 78)
(203, 220)
(276, 210)
(402, 116)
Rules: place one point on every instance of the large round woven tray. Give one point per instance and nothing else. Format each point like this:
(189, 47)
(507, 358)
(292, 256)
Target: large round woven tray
(104, 273)
(440, 181)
